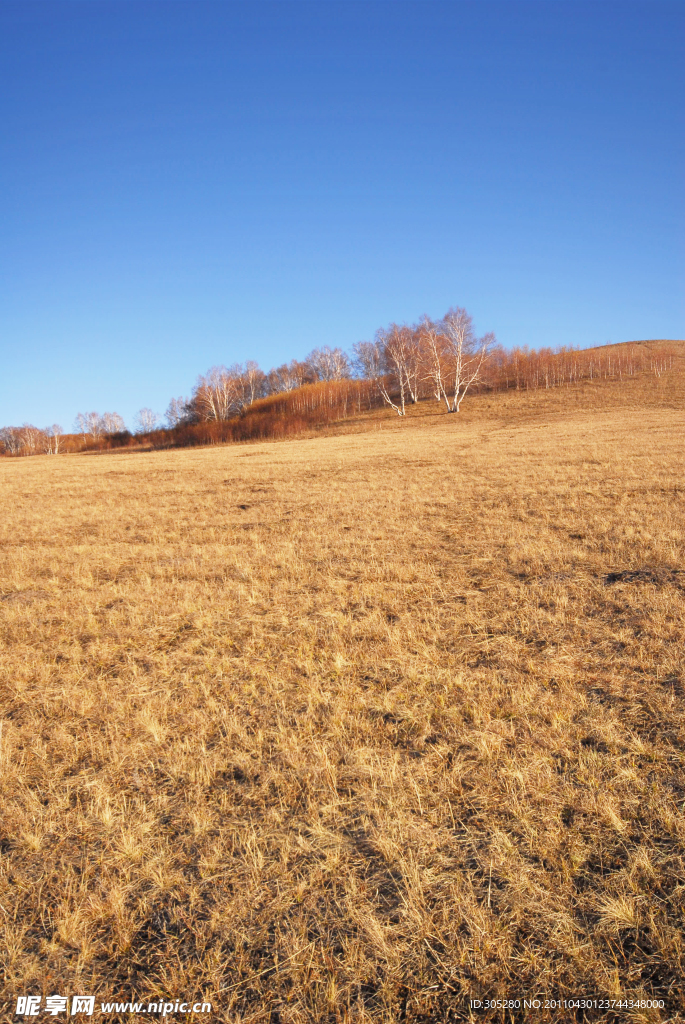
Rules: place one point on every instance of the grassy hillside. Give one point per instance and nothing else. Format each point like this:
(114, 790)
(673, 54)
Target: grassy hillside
(353, 728)
(284, 416)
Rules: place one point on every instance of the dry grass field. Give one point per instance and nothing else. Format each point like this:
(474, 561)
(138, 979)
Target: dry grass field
(355, 728)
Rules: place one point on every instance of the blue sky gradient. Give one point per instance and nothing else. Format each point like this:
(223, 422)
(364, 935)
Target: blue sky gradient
(186, 184)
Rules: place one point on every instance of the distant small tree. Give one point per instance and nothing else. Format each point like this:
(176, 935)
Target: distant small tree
(52, 439)
(288, 377)
(179, 410)
(368, 360)
(382, 361)
(10, 440)
(30, 439)
(146, 420)
(254, 382)
(215, 395)
(111, 423)
(328, 364)
(94, 424)
(399, 360)
(437, 360)
(224, 392)
(89, 423)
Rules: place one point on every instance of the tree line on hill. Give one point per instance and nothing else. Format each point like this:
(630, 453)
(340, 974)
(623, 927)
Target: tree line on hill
(404, 364)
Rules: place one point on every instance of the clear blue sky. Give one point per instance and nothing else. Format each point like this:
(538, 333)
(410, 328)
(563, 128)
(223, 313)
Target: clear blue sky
(186, 184)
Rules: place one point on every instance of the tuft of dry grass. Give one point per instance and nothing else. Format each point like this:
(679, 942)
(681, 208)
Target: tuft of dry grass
(352, 729)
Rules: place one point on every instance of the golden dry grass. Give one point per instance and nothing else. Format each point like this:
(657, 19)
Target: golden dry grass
(355, 728)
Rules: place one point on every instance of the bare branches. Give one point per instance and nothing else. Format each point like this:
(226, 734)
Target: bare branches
(111, 423)
(180, 410)
(328, 364)
(30, 440)
(443, 355)
(214, 394)
(464, 354)
(401, 363)
(435, 361)
(146, 420)
(288, 377)
(225, 391)
(253, 382)
(93, 425)
(52, 439)
(11, 440)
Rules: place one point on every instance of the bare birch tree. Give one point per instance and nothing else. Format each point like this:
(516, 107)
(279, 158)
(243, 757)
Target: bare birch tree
(89, 423)
(94, 424)
(368, 360)
(254, 382)
(434, 346)
(215, 394)
(288, 377)
(224, 392)
(179, 410)
(370, 364)
(146, 420)
(398, 353)
(328, 363)
(464, 354)
(30, 439)
(52, 439)
(10, 440)
(111, 423)
(385, 361)
(415, 361)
